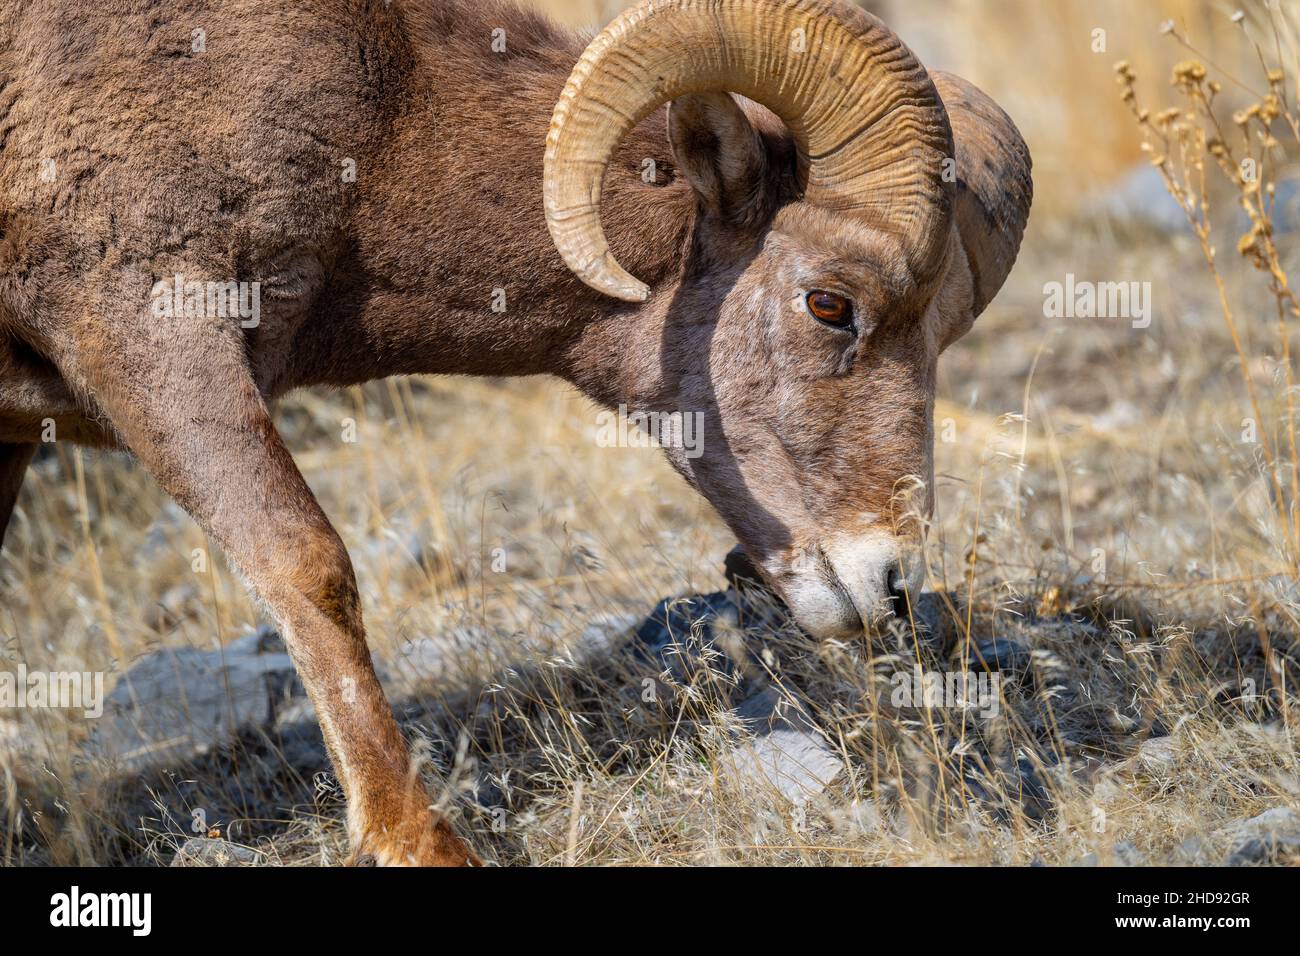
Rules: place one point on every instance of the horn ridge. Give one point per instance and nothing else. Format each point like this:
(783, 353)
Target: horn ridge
(863, 111)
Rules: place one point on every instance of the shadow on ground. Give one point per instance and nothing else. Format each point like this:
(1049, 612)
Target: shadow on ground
(1044, 701)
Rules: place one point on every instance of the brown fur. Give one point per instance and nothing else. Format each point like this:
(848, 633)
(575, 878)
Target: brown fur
(227, 165)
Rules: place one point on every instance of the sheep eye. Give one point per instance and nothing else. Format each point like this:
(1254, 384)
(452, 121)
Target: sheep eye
(830, 308)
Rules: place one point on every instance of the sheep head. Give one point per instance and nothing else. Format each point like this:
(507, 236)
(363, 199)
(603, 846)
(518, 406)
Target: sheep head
(855, 213)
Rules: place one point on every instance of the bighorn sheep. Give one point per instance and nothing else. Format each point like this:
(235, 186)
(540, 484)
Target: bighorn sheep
(803, 253)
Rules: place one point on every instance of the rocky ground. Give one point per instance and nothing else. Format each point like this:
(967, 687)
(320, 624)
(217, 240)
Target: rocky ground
(215, 758)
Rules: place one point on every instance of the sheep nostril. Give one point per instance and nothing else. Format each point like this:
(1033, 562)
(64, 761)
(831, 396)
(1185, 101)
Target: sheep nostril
(896, 589)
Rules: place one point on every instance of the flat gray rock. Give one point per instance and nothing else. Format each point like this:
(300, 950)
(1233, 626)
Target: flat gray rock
(1265, 838)
(780, 747)
(176, 703)
(787, 753)
(206, 851)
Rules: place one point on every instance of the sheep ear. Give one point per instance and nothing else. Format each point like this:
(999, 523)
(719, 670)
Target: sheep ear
(994, 191)
(718, 150)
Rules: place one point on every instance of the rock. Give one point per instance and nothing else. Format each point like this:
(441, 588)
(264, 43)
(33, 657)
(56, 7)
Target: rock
(418, 660)
(1001, 654)
(1154, 757)
(1107, 790)
(1157, 755)
(931, 617)
(1004, 786)
(176, 703)
(1268, 838)
(606, 633)
(163, 534)
(1123, 853)
(787, 753)
(206, 851)
(1030, 790)
(680, 636)
(780, 748)
(1191, 852)
(1126, 854)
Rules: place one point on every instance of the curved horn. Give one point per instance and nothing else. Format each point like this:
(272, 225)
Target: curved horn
(995, 185)
(863, 112)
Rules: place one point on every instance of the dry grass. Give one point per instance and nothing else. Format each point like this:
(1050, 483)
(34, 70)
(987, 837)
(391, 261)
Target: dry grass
(1097, 503)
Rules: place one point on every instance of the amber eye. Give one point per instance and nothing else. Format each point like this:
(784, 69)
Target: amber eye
(830, 308)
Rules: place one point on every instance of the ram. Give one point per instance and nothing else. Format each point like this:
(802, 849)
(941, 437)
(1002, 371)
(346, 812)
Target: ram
(791, 244)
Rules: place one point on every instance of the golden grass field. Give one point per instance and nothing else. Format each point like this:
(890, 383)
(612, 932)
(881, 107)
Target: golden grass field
(1099, 501)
